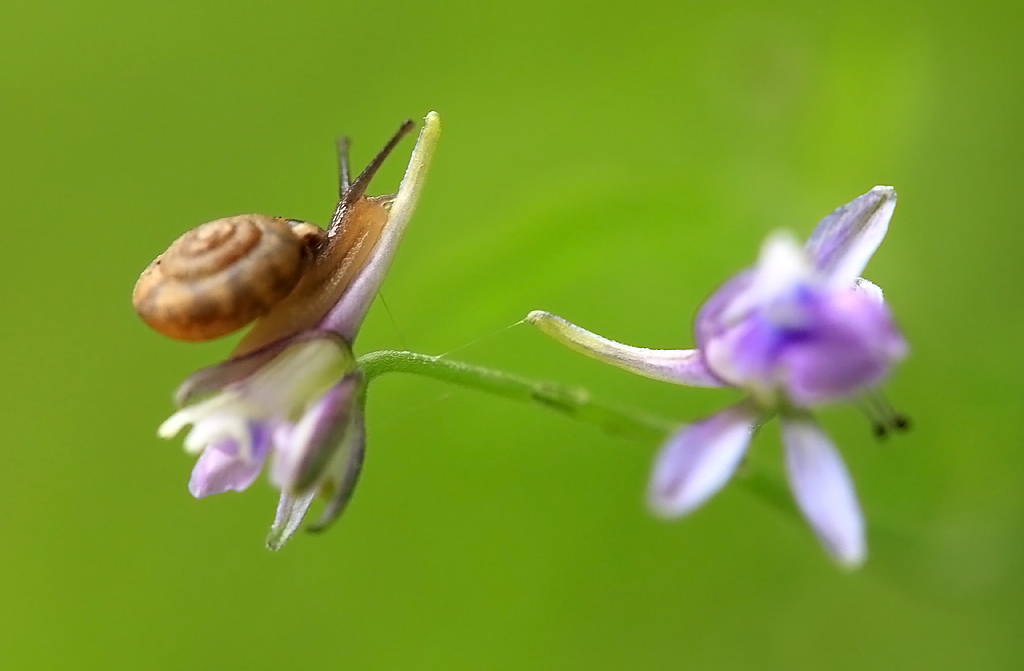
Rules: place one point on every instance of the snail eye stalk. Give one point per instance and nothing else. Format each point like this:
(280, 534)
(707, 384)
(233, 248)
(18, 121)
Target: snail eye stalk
(353, 192)
(344, 177)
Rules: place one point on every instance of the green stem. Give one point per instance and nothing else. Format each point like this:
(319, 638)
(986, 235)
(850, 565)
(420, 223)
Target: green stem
(574, 402)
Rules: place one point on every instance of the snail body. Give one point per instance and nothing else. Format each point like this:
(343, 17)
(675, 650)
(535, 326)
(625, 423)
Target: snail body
(284, 274)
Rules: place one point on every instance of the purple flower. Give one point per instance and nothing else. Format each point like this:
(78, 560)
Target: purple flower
(295, 398)
(798, 330)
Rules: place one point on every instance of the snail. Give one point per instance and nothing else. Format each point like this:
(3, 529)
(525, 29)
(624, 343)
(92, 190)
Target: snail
(282, 274)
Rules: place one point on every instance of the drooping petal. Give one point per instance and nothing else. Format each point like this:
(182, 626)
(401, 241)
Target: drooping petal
(223, 467)
(301, 462)
(699, 459)
(823, 490)
(290, 511)
(297, 376)
(843, 242)
(236, 369)
(679, 366)
(348, 463)
(347, 315)
(710, 320)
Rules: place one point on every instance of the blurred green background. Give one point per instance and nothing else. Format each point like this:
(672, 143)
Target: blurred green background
(610, 163)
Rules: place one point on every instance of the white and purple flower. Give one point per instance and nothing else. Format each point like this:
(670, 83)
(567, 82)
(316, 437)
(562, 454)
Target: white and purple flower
(298, 400)
(799, 330)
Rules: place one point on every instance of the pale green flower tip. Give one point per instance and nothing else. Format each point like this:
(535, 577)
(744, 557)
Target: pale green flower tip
(552, 325)
(567, 333)
(557, 328)
(433, 122)
(538, 317)
(578, 339)
(275, 540)
(574, 337)
(416, 171)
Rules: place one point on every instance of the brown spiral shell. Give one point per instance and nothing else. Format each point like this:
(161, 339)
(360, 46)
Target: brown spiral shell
(221, 275)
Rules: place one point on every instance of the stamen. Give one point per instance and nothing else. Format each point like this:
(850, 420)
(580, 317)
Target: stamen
(883, 416)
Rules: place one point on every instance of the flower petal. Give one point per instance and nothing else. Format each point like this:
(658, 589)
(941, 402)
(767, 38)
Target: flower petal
(347, 315)
(842, 243)
(710, 320)
(782, 272)
(869, 288)
(302, 461)
(290, 511)
(347, 466)
(746, 356)
(852, 346)
(679, 366)
(699, 459)
(223, 467)
(823, 490)
(236, 369)
(215, 428)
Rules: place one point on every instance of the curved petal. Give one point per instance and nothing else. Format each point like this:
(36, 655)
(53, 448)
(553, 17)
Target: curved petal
(236, 369)
(300, 463)
(699, 459)
(223, 467)
(823, 490)
(710, 320)
(347, 315)
(843, 242)
(216, 471)
(348, 463)
(746, 356)
(679, 366)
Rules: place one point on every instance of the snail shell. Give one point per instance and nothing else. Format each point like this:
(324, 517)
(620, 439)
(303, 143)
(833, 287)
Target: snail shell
(222, 275)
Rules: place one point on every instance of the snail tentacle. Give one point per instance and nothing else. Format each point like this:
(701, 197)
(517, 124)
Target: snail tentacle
(344, 178)
(357, 189)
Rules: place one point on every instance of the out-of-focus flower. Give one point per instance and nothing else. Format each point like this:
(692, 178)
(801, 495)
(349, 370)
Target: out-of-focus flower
(798, 330)
(291, 394)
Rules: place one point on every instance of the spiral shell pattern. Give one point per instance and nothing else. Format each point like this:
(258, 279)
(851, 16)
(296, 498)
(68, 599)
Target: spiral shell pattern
(220, 276)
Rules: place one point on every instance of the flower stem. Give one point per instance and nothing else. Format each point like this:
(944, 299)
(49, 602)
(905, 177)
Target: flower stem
(575, 402)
